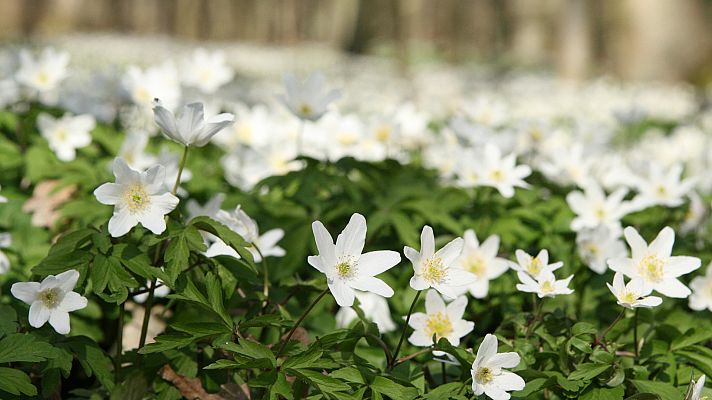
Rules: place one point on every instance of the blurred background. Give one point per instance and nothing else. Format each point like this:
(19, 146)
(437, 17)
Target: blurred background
(667, 40)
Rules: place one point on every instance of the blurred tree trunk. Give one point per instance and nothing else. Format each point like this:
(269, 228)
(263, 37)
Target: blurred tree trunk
(576, 40)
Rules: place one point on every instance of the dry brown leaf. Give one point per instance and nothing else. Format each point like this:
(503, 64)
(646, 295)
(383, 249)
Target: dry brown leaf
(233, 391)
(190, 388)
(44, 202)
(300, 335)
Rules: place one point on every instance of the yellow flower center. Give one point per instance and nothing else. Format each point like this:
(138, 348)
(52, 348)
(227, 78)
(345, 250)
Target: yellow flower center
(206, 75)
(305, 109)
(484, 375)
(600, 212)
(592, 249)
(534, 266)
(43, 77)
(439, 325)
(244, 132)
(536, 134)
(661, 190)
(142, 95)
(476, 265)
(50, 297)
(383, 134)
(497, 175)
(61, 135)
(547, 287)
(651, 268)
(346, 268)
(434, 270)
(629, 297)
(136, 198)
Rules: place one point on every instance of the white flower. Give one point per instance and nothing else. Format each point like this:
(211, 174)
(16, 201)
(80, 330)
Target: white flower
(537, 276)
(138, 197)
(697, 389)
(5, 242)
(500, 172)
(43, 73)
(440, 321)
(534, 265)
(488, 374)
(482, 261)
(695, 214)
(596, 246)
(345, 267)
(66, 134)
(190, 128)
(210, 209)
(3, 199)
(569, 166)
(241, 223)
(160, 81)
(374, 307)
(593, 208)
(206, 70)
(654, 264)
(438, 270)
(52, 300)
(663, 187)
(701, 297)
(633, 294)
(308, 100)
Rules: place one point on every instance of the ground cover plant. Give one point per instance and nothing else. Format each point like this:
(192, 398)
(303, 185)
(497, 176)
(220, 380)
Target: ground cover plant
(308, 243)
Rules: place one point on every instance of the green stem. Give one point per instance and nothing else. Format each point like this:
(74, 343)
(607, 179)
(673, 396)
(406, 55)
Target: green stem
(599, 340)
(119, 342)
(537, 315)
(444, 372)
(405, 327)
(299, 321)
(265, 277)
(159, 250)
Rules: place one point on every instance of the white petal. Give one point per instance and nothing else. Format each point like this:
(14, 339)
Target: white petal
(373, 285)
(650, 301)
(375, 262)
(490, 247)
(315, 261)
(457, 308)
(459, 277)
(123, 173)
(418, 338)
(427, 242)
(343, 294)
(60, 321)
(509, 381)
(39, 314)
(68, 280)
(662, 245)
(433, 302)
(681, 265)
(109, 193)
(495, 393)
(325, 244)
(451, 251)
(418, 320)
(163, 204)
(167, 122)
(618, 284)
(411, 254)
(487, 349)
(418, 283)
(72, 301)
(350, 242)
(672, 288)
(25, 291)
(635, 241)
(121, 222)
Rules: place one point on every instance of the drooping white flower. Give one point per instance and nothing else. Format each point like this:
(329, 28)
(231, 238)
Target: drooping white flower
(43, 73)
(206, 70)
(596, 246)
(654, 264)
(439, 321)
(241, 223)
(438, 270)
(482, 261)
(701, 297)
(633, 294)
(662, 187)
(190, 128)
(374, 307)
(5, 242)
(544, 284)
(51, 300)
(488, 373)
(66, 134)
(137, 197)
(593, 208)
(310, 99)
(534, 265)
(345, 267)
(159, 81)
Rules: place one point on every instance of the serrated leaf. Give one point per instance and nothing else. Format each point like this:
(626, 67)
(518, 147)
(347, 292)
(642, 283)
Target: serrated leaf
(16, 382)
(588, 371)
(324, 383)
(666, 391)
(392, 389)
(24, 347)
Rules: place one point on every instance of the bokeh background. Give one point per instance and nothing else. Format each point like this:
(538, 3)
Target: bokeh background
(664, 40)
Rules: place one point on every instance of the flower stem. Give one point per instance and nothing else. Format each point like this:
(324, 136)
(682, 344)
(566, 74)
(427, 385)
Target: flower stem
(119, 342)
(444, 372)
(265, 277)
(538, 306)
(299, 321)
(392, 363)
(599, 339)
(159, 250)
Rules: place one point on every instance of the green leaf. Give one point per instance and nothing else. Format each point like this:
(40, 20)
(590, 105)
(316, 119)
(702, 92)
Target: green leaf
(166, 342)
(54, 264)
(666, 391)
(16, 382)
(393, 390)
(304, 359)
(324, 383)
(251, 350)
(588, 371)
(583, 328)
(8, 320)
(215, 298)
(92, 359)
(692, 336)
(616, 393)
(230, 238)
(24, 347)
(348, 374)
